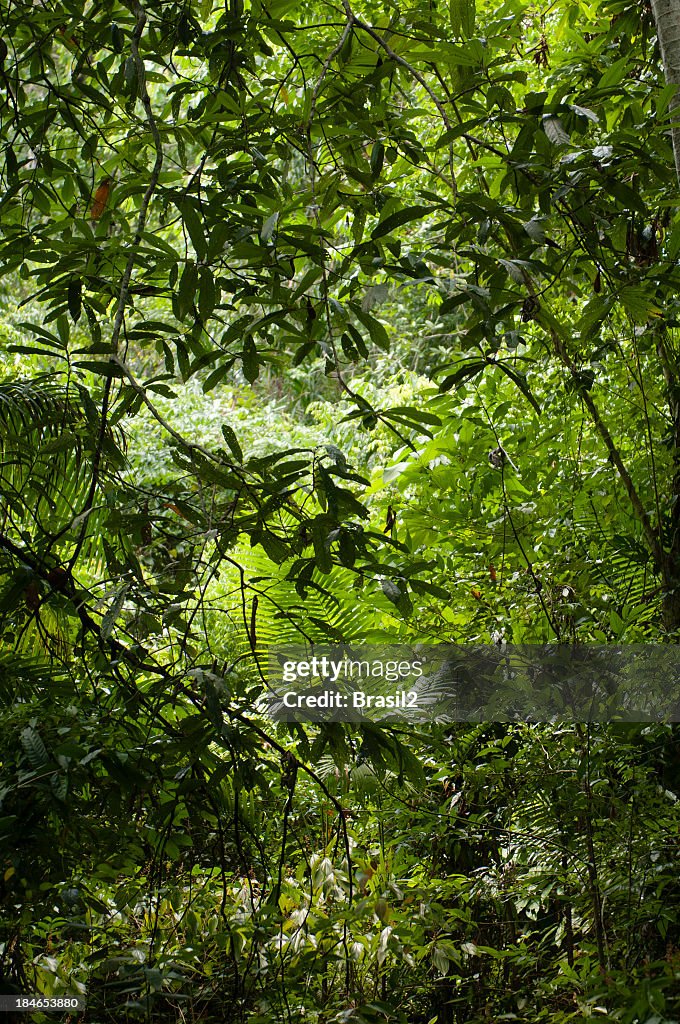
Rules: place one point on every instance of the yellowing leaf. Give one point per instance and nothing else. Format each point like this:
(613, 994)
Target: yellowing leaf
(638, 304)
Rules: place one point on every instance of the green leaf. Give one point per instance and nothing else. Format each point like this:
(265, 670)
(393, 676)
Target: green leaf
(269, 227)
(194, 226)
(32, 350)
(347, 551)
(614, 74)
(11, 162)
(586, 112)
(186, 292)
(274, 546)
(109, 620)
(398, 595)
(377, 331)
(396, 220)
(628, 197)
(552, 126)
(520, 380)
(463, 373)
(639, 304)
(35, 749)
(345, 54)
(232, 441)
(217, 375)
(117, 38)
(432, 589)
(416, 415)
(594, 312)
(250, 358)
(303, 351)
(74, 300)
(535, 229)
(322, 556)
(207, 293)
(103, 369)
(377, 158)
(462, 14)
(131, 77)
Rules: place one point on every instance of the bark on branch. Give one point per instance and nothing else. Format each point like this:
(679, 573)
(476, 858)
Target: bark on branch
(667, 18)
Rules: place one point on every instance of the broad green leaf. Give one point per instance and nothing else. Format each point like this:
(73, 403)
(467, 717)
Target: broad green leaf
(639, 304)
(462, 15)
(399, 218)
(75, 300)
(232, 441)
(194, 226)
(269, 227)
(250, 359)
(552, 126)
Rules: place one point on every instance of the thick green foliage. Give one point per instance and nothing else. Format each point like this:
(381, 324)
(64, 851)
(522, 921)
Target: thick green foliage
(332, 321)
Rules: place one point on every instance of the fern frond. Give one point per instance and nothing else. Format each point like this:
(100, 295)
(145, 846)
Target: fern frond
(47, 434)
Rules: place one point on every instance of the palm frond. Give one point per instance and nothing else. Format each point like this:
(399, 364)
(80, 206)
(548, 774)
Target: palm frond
(25, 678)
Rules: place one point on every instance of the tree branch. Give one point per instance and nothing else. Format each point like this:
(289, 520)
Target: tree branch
(652, 536)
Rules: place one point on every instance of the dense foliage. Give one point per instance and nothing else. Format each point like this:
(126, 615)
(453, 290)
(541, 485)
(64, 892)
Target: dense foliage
(332, 321)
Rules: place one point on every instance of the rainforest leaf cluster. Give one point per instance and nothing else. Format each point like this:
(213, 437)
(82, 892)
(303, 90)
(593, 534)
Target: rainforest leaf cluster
(333, 322)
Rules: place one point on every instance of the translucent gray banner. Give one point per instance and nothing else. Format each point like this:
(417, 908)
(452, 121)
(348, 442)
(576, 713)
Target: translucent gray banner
(474, 683)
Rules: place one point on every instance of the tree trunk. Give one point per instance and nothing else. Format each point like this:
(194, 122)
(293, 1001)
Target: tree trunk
(667, 18)
(671, 597)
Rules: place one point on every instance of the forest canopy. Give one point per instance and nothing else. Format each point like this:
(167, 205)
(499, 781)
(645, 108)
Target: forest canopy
(334, 322)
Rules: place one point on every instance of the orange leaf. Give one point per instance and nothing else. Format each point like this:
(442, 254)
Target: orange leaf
(101, 197)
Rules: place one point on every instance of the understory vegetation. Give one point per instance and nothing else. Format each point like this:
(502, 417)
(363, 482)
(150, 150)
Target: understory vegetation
(333, 323)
